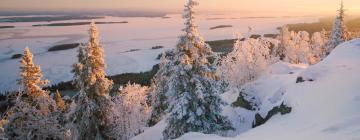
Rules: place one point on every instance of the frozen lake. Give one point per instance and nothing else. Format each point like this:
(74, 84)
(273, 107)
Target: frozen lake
(140, 33)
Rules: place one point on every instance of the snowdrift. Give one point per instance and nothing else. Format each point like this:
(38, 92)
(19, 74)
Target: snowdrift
(325, 104)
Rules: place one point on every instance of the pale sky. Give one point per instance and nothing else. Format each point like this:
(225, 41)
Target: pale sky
(287, 6)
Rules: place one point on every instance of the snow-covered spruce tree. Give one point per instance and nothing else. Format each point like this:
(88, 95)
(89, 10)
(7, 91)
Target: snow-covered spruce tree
(31, 82)
(80, 118)
(194, 102)
(131, 102)
(159, 88)
(95, 65)
(80, 73)
(80, 114)
(339, 32)
(34, 115)
(96, 116)
(249, 59)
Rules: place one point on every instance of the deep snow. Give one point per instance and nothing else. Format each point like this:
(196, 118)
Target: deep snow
(325, 107)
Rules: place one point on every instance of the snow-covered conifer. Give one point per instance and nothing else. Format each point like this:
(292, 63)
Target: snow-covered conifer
(95, 65)
(31, 82)
(96, 116)
(194, 102)
(159, 88)
(34, 115)
(339, 32)
(80, 73)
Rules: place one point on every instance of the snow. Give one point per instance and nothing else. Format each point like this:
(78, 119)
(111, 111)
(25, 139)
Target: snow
(154, 133)
(265, 89)
(324, 109)
(116, 39)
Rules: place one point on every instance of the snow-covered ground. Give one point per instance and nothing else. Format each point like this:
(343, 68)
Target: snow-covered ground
(140, 33)
(325, 107)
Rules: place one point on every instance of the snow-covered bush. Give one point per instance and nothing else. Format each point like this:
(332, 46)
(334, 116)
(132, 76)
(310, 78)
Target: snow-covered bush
(131, 103)
(300, 48)
(318, 47)
(249, 59)
(26, 121)
(285, 41)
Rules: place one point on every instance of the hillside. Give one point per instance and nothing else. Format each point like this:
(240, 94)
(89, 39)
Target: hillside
(324, 106)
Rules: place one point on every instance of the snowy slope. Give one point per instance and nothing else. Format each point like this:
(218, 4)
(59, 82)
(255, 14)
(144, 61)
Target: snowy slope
(326, 108)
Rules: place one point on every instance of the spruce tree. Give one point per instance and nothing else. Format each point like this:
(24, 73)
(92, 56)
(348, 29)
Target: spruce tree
(31, 82)
(83, 120)
(96, 116)
(34, 115)
(79, 70)
(339, 32)
(193, 95)
(159, 88)
(95, 65)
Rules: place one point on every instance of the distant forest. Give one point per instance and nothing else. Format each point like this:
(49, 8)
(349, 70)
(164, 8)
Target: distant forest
(353, 25)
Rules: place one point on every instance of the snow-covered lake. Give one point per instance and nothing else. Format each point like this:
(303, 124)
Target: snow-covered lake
(140, 33)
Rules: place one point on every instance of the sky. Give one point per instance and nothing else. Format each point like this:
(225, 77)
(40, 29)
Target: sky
(304, 7)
